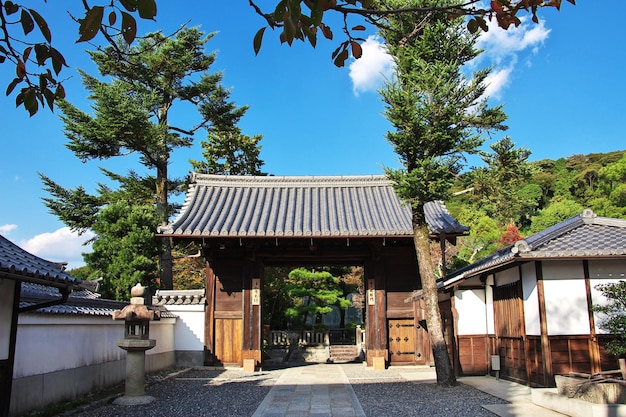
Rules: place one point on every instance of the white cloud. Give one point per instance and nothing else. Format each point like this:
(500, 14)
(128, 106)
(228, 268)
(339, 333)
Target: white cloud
(62, 245)
(502, 49)
(5, 229)
(497, 80)
(369, 72)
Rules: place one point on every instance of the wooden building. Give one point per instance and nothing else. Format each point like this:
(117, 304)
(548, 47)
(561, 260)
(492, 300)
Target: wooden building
(531, 303)
(244, 224)
(18, 266)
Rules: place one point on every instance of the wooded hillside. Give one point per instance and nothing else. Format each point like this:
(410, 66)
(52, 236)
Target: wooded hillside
(510, 198)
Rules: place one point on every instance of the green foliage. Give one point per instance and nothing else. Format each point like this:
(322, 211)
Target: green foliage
(82, 272)
(483, 237)
(547, 192)
(131, 109)
(228, 152)
(614, 320)
(126, 251)
(276, 300)
(314, 292)
(303, 20)
(560, 209)
(130, 115)
(438, 114)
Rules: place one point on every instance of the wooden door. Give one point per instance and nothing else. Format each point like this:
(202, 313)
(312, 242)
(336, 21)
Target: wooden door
(401, 341)
(510, 330)
(228, 340)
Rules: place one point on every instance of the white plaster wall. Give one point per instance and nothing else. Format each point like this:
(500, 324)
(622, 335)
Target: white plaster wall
(49, 343)
(7, 288)
(565, 298)
(604, 272)
(163, 332)
(471, 308)
(189, 329)
(530, 299)
(491, 327)
(608, 269)
(507, 276)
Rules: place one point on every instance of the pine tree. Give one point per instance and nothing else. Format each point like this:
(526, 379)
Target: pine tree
(438, 115)
(132, 111)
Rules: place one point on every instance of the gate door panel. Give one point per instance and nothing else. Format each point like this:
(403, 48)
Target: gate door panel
(401, 341)
(228, 340)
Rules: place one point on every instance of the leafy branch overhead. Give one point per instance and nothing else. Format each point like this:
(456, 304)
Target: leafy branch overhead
(302, 20)
(294, 19)
(39, 64)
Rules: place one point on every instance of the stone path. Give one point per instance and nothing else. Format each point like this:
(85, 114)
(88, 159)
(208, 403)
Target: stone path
(317, 390)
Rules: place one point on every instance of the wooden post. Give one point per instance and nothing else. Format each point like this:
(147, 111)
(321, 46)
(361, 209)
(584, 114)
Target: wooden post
(594, 348)
(209, 317)
(546, 351)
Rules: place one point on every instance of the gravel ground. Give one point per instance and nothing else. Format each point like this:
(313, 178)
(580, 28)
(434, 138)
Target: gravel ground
(234, 393)
(197, 393)
(387, 393)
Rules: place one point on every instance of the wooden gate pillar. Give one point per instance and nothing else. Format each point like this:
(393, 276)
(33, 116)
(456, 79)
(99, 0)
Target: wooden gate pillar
(252, 319)
(376, 313)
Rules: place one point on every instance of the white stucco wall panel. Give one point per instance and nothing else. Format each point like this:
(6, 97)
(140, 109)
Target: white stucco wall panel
(530, 299)
(507, 276)
(189, 329)
(563, 270)
(471, 309)
(50, 343)
(607, 269)
(566, 307)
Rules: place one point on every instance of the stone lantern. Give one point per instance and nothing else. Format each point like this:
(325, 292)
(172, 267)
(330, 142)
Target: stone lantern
(135, 342)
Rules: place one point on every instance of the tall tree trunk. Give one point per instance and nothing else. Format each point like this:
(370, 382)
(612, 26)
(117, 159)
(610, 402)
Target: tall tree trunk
(167, 282)
(443, 366)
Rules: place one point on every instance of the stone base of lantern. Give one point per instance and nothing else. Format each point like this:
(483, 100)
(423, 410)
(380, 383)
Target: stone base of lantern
(134, 393)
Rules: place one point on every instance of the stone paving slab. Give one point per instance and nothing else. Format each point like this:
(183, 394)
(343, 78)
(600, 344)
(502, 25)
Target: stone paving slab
(311, 391)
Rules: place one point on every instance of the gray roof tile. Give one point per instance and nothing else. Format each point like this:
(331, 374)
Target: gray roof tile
(179, 297)
(28, 267)
(325, 206)
(81, 302)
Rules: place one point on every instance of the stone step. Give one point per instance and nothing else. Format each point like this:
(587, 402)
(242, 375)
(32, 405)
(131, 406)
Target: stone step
(341, 353)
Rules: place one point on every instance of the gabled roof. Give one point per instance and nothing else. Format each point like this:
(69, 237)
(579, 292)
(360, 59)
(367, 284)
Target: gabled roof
(583, 236)
(300, 206)
(16, 263)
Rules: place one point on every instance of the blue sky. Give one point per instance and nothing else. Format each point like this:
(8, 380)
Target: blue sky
(560, 81)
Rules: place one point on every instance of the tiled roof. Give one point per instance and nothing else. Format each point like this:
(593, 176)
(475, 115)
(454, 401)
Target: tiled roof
(174, 297)
(583, 236)
(25, 266)
(325, 206)
(440, 221)
(81, 302)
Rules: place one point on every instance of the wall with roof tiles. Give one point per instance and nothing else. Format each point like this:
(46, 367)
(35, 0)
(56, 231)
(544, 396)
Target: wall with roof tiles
(63, 357)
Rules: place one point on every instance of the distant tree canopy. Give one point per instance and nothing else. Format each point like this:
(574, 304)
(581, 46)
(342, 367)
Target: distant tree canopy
(26, 39)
